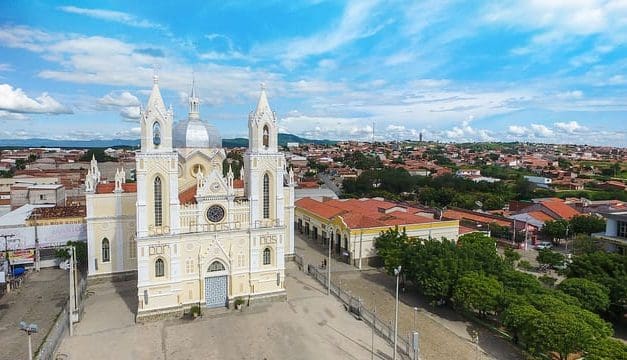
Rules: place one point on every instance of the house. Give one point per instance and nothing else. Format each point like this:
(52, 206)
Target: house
(351, 225)
(614, 239)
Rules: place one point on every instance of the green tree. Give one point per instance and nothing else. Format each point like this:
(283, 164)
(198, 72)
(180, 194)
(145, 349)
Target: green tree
(607, 269)
(391, 246)
(433, 265)
(586, 224)
(477, 252)
(510, 256)
(555, 229)
(605, 349)
(524, 189)
(552, 258)
(20, 164)
(583, 244)
(523, 321)
(478, 293)
(592, 296)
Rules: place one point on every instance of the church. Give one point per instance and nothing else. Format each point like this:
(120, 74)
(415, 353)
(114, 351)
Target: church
(189, 230)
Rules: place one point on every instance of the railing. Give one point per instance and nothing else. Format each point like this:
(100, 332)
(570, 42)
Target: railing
(353, 304)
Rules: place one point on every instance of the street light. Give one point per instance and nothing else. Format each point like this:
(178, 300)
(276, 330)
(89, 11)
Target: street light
(329, 268)
(415, 312)
(397, 273)
(374, 320)
(29, 329)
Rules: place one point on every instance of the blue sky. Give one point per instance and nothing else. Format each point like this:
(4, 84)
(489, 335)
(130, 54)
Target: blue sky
(545, 71)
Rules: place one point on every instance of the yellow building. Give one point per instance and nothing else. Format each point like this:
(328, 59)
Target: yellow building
(352, 224)
(191, 234)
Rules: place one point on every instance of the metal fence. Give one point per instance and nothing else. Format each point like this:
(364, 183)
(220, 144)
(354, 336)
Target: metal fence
(61, 325)
(353, 304)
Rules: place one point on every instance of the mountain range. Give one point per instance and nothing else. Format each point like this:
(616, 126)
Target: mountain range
(51, 143)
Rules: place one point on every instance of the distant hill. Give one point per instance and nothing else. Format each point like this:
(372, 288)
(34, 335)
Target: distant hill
(236, 142)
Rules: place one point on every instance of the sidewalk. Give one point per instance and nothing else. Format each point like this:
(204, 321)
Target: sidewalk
(444, 334)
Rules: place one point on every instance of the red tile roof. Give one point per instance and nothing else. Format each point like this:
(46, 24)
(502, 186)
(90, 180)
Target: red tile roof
(459, 215)
(539, 215)
(562, 210)
(104, 188)
(238, 183)
(363, 213)
(188, 196)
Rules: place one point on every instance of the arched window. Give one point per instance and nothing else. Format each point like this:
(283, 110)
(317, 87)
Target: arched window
(156, 133)
(159, 268)
(158, 202)
(106, 255)
(266, 196)
(267, 256)
(132, 247)
(216, 266)
(266, 136)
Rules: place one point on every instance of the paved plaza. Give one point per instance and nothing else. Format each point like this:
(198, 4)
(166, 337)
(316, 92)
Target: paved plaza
(310, 325)
(39, 300)
(444, 334)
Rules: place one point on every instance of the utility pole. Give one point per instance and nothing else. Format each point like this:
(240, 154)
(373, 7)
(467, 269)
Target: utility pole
(374, 320)
(361, 240)
(397, 272)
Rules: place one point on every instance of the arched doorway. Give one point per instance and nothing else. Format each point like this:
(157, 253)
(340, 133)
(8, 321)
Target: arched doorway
(216, 285)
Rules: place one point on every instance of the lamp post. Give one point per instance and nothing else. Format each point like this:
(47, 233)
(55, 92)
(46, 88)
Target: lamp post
(415, 312)
(374, 320)
(29, 329)
(397, 273)
(329, 268)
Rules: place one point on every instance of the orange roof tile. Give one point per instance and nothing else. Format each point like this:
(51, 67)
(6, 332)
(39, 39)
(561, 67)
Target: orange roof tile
(188, 196)
(539, 215)
(362, 213)
(459, 215)
(561, 209)
(104, 188)
(238, 183)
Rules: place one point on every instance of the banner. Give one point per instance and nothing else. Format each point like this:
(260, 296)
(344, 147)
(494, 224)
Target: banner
(17, 257)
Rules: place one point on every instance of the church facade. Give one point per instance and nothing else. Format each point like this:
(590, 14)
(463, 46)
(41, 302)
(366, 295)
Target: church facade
(192, 234)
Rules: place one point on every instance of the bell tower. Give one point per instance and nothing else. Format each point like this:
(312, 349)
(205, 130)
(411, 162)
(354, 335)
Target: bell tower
(157, 170)
(264, 165)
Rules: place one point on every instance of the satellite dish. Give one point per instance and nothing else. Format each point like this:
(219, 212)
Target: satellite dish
(479, 203)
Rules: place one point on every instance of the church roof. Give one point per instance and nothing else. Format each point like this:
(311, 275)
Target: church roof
(195, 133)
(155, 100)
(263, 107)
(104, 188)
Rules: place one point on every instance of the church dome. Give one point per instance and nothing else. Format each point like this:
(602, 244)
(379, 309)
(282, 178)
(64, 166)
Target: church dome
(195, 133)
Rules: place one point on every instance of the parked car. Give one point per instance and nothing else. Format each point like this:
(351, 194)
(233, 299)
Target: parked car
(544, 245)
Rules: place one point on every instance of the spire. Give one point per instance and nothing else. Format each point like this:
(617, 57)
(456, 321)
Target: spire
(262, 105)
(194, 102)
(155, 100)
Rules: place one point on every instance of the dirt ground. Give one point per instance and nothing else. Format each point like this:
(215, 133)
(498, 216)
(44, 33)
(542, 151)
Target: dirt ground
(444, 334)
(309, 325)
(39, 300)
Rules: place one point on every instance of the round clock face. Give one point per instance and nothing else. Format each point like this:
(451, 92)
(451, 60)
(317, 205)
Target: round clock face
(215, 213)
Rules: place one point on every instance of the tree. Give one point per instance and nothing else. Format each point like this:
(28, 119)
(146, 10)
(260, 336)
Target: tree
(510, 256)
(605, 349)
(477, 252)
(524, 189)
(583, 244)
(523, 320)
(478, 293)
(592, 296)
(548, 257)
(609, 270)
(433, 265)
(391, 246)
(20, 164)
(555, 229)
(586, 224)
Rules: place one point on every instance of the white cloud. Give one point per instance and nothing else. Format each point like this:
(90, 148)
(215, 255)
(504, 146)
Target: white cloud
(16, 101)
(130, 113)
(575, 94)
(355, 23)
(570, 127)
(110, 15)
(517, 130)
(6, 67)
(5, 115)
(541, 131)
(123, 98)
(465, 132)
